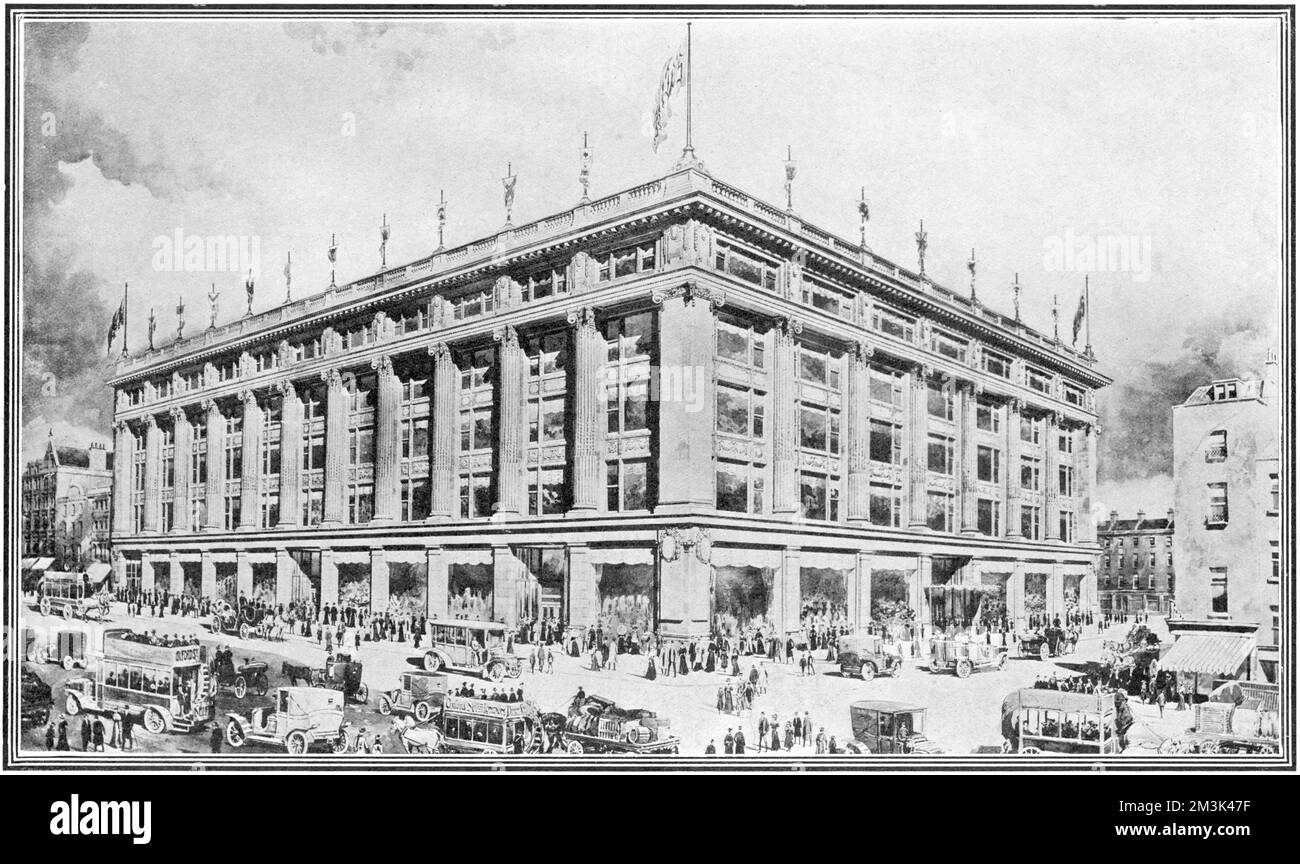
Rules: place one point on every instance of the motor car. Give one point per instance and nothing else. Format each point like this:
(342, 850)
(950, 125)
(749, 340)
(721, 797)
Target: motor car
(964, 657)
(35, 702)
(868, 655)
(883, 727)
(299, 719)
(420, 694)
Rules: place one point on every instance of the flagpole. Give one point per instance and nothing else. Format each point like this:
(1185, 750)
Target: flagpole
(125, 294)
(1087, 317)
(689, 152)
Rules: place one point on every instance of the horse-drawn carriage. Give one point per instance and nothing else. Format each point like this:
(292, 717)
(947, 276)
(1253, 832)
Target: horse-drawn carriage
(596, 725)
(339, 673)
(963, 657)
(250, 675)
(1046, 643)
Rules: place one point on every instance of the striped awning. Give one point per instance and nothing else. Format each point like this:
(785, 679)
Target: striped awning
(1208, 654)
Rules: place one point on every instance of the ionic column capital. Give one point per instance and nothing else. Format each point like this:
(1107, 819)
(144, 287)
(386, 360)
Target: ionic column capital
(584, 319)
(507, 335)
(383, 365)
(440, 352)
(689, 292)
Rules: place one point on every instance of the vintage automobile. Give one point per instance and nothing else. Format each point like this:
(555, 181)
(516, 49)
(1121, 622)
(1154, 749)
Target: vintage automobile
(471, 647)
(596, 725)
(343, 674)
(250, 675)
(72, 596)
(963, 657)
(299, 719)
(1046, 643)
(37, 699)
(889, 727)
(1059, 721)
(227, 619)
(867, 656)
(66, 647)
(471, 725)
(420, 694)
(1241, 717)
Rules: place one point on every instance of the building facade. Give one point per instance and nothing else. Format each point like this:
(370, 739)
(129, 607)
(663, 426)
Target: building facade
(57, 499)
(1227, 482)
(1137, 564)
(676, 407)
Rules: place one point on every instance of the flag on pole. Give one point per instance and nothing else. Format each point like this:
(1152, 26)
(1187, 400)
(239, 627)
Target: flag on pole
(672, 78)
(118, 322)
(1079, 315)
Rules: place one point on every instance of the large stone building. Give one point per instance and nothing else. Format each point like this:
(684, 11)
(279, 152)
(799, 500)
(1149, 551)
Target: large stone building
(58, 492)
(1137, 564)
(676, 406)
(1227, 485)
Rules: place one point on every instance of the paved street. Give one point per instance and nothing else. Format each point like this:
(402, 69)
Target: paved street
(963, 714)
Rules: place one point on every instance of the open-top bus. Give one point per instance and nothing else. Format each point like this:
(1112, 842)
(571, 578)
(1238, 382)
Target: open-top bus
(165, 686)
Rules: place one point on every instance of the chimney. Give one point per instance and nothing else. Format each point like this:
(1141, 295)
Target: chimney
(1141, 516)
(1170, 515)
(98, 458)
(1114, 516)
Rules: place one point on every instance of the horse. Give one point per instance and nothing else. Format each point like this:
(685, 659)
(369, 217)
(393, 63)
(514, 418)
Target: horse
(294, 672)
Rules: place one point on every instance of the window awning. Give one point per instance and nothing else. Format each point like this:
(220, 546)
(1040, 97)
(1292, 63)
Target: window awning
(621, 555)
(98, 571)
(1208, 654)
(38, 563)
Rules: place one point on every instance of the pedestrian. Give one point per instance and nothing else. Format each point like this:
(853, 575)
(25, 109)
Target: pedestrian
(49, 736)
(128, 731)
(821, 740)
(762, 730)
(807, 728)
(1160, 702)
(711, 750)
(729, 743)
(214, 740)
(97, 732)
(63, 733)
(85, 733)
(740, 742)
(775, 742)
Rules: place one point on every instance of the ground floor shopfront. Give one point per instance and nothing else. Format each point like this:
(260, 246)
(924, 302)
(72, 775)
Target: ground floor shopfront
(675, 576)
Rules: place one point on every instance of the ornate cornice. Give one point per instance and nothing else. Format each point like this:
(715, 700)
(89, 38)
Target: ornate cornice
(689, 291)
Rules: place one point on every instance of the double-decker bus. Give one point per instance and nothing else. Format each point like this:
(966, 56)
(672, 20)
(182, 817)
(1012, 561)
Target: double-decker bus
(164, 686)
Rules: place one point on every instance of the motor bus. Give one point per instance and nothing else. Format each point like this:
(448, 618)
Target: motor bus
(474, 647)
(485, 726)
(166, 687)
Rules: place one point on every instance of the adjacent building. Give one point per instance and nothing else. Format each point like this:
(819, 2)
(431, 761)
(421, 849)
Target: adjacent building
(1137, 564)
(676, 407)
(1227, 491)
(59, 495)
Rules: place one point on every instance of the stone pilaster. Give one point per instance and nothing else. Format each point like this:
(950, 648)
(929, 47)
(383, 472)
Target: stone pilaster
(243, 573)
(336, 448)
(152, 476)
(859, 434)
(285, 568)
(290, 454)
(505, 582)
(785, 419)
(249, 480)
(967, 393)
(1051, 483)
(1085, 474)
(436, 582)
(443, 441)
(123, 448)
(329, 577)
(378, 580)
(175, 573)
(860, 598)
(582, 591)
(215, 487)
(1012, 477)
(182, 441)
(512, 430)
(918, 432)
(787, 591)
(388, 412)
(684, 570)
(1016, 595)
(207, 575)
(920, 603)
(588, 410)
(146, 572)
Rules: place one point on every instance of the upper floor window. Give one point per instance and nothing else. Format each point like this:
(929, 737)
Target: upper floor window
(988, 417)
(820, 367)
(1217, 449)
(1274, 494)
(1218, 590)
(228, 371)
(745, 265)
(822, 296)
(1030, 429)
(630, 337)
(947, 345)
(1038, 380)
(938, 400)
(265, 361)
(740, 411)
(893, 324)
(1226, 390)
(741, 342)
(551, 281)
(306, 349)
(472, 305)
(996, 364)
(1218, 504)
(627, 261)
(1065, 442)
(476, 369)
(546, 353)
(1073, 395)
(940, 454)
(887, 386)
(819, 429)
(356, 334)
(163, 388)
(411, 319)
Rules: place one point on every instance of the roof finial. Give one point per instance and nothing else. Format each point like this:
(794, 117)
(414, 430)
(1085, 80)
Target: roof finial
(789, 178)
(584, 174)
(922, 243)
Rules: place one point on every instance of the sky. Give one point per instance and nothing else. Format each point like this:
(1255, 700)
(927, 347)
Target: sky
(1017, 137)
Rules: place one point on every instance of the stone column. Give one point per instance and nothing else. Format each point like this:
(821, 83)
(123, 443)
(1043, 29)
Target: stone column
(249, 517)
(216, 483)
(436, 582)
(588, 410)
(175, 575)
(1016, 594)
(505, 579)
(146, 572)
(787, 591)
(512, 428)
(1085, 474)
(290, 455)
(918, 430)
(207, 575)
(924, 577)
(443, 440)
(859, 435)
(966, 439)
(378, 580)
(1012, 477)
(860, 601)
(336, 448)
(329, 577)
(785, 419)
(124, 448)
(686, 346)
(119, 568)
(243, 573)
(285, 569)
(1051, 487)
(582, 591)
(388, 415)
(1055, 591)
(182, 442)
(685, 577)
(152, 476)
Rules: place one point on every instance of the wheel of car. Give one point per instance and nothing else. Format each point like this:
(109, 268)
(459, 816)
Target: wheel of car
(241, 687)
(296, 743)
(45, 606)
(432, 662)
(516, 671)
(244, 631)
(1210, 747)
(496, 672)
(234, 733)
(868, 671)
(936, 667)
(215, 624)
(1044, 653)
(72, 705)
(260, 684)
(963, 668)
(573, 748)
(363, 693)
(1031, 750)
(154, 721)
(67, 612)
(421, 711)
(386, 706)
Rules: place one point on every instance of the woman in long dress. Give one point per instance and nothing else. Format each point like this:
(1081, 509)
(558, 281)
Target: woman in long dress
(650, 672)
